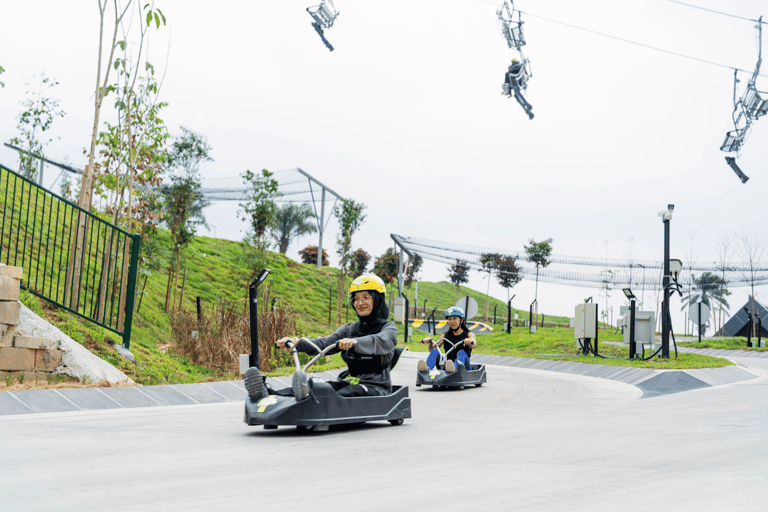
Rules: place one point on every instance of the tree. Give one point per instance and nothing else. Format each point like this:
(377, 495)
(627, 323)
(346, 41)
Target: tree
(724, 264)
(359, 262)
(708, 289)
(385, 266)
(508, 273)
(490, 263)
(350, 217)
(309, 255)
(413, 269)
(33, 122)
(183, 203)
(751, 249)
(2, 70)
(458, 273)
(261, 190)
(290, 222)
(538, 254)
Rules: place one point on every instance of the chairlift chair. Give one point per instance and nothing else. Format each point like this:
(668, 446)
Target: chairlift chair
(324, 14)
(511, 30)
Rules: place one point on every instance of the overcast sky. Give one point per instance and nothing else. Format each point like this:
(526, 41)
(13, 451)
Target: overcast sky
(406, 116)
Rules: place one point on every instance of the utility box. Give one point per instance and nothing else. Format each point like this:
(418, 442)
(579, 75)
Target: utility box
(645, 330)
(399, 309)
(585, 321)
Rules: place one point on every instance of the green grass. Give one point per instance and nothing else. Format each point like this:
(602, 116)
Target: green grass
(219, 271)
(724, 344)
(560, 341)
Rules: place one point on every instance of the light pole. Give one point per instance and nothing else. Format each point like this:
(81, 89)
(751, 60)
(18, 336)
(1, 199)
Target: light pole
(666, 217)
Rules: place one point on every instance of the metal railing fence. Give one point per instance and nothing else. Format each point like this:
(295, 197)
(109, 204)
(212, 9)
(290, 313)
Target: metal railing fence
(71, 257)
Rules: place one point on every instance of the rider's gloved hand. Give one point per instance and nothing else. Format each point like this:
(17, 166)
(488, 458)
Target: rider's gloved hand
(281, 343)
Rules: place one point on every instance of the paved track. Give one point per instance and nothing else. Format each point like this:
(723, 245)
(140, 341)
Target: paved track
(529, 440)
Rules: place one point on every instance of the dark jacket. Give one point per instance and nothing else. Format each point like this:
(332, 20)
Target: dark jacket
(369, 359)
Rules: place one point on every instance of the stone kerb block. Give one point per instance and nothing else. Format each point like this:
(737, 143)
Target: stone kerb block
(6, 335)
(47, 360)
(9, 313)
(17, 359)
(35, 343)
(9, 288)
(12, 272)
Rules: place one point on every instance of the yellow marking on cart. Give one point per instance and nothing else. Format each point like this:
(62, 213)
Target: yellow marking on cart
(434, 372)
(266, 402)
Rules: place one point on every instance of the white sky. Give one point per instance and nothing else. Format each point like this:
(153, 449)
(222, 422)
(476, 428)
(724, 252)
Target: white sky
(406, 116)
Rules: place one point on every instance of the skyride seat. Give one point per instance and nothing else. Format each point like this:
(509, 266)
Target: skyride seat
(323, 14)
(754, 104)
(511, 30)
(734, 140)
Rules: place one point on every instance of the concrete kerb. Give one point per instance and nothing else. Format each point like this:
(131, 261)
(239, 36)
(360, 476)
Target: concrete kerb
(82, 399)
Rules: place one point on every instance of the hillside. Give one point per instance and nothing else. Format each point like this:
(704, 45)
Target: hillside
(219, 271)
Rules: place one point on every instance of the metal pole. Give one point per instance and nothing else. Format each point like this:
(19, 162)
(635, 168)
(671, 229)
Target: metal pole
(253, 291)
(632, 351)
(699, 306)
(320, 240)
(407, 305)
(665, 306)
(199, 311)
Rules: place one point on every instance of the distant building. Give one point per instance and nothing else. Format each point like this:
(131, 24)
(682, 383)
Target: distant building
(738, 324)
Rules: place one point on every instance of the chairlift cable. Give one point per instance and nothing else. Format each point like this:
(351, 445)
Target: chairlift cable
(718, 12)
(638, 44)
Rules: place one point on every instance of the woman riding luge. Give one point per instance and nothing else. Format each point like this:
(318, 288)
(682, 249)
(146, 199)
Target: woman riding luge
(367, 346)
(457, 342)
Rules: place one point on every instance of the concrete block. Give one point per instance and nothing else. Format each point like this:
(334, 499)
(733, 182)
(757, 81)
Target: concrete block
(47, 360)
(13, 272)
(16, 359)
(35, 343)
(6, 335)
(9, 312)
(9, 288)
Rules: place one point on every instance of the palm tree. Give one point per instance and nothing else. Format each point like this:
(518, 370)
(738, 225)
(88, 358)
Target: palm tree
(708, 289)
(291, 221)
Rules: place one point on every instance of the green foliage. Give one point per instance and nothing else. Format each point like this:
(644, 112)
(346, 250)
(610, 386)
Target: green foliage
(385, 266)
(2, 84)
(291, 221)
(458, 272)
(413, 269)
(539, 252)
(359, 262)
(350, 217)
(260, 208)
(508, 273)
(36, 118)
(309, 255)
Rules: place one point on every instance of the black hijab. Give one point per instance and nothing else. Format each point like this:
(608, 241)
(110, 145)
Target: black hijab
(379, 316)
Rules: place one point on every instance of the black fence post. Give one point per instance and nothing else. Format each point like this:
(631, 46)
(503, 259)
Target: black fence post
(407, 306)
(199, 304)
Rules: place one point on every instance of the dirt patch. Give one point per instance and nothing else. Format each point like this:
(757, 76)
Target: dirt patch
(41, 382)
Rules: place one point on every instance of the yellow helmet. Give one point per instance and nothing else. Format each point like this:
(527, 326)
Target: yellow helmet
(368, 282)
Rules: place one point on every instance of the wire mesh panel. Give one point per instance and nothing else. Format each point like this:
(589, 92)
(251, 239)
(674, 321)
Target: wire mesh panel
(573, 270)
(71, 257)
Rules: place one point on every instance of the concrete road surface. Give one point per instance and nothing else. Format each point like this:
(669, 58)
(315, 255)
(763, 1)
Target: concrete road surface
(528, 440)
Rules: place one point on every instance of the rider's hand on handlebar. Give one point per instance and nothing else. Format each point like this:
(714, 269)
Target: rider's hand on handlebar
(281, 343)
(346, 343)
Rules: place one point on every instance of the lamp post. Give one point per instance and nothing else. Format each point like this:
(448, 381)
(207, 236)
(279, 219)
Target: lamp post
(631, 297)
(666, 217)
(253, 301)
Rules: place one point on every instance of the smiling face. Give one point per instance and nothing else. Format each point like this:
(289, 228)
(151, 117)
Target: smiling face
(454, 322)
(363, 303)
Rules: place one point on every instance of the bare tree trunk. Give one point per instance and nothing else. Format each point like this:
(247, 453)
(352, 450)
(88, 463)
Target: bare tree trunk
(176, 281)
(183, 284)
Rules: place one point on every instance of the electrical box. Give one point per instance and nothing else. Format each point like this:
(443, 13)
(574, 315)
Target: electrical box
(585, 320)
(399, 309)
(645, 330)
